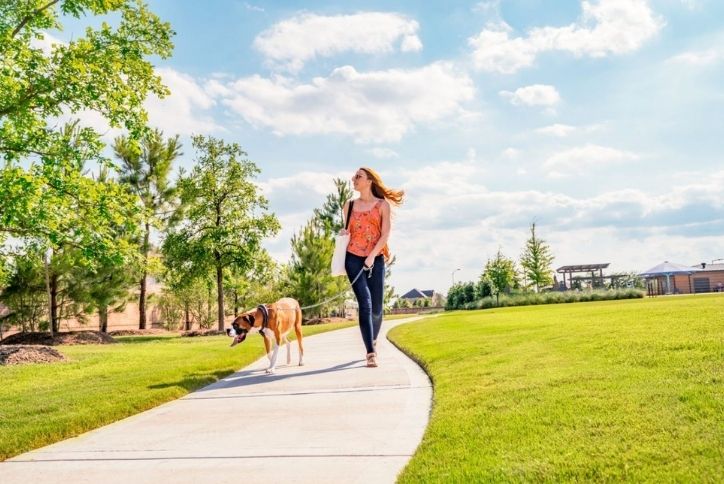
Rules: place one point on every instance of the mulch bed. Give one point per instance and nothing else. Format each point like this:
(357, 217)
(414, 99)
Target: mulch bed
(203, 332)
(137, 332)
(69, 338)
(21, 354)
(312, 321)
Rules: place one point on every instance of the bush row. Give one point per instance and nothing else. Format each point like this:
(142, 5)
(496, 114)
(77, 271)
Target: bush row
(529, 299)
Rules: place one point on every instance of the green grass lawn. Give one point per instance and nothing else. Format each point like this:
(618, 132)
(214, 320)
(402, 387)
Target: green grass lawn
(44, 403)
(619, 390)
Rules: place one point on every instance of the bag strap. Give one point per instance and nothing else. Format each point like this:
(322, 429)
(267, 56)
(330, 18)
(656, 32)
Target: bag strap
(349, 212)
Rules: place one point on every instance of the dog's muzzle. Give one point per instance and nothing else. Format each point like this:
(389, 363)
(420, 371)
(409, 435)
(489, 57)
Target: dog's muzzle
(236, 332)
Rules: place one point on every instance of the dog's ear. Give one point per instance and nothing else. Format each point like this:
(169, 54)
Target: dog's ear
(249, 318)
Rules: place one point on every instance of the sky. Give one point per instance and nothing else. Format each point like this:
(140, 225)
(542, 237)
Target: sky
(599, 121)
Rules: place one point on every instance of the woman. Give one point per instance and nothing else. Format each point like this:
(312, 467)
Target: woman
(369, 229)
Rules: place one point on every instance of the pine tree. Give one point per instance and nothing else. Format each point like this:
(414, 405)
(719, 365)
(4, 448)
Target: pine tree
(536, 261)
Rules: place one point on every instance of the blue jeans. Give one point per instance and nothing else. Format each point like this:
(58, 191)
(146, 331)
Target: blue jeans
(370, 293)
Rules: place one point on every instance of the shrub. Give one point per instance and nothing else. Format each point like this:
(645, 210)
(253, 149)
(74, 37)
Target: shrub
(531, 298)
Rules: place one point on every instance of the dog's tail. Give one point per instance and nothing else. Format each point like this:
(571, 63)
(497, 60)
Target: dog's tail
(298, 330)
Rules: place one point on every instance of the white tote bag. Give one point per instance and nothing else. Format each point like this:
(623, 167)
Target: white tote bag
(340, 247)
(340, 252)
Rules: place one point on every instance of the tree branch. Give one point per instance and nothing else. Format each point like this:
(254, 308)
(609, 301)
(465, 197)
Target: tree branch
(30, 17)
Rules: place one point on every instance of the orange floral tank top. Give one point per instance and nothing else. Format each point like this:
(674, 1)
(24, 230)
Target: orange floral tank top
(365, 230)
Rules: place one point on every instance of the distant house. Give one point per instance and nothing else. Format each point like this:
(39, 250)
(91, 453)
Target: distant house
(418, 295)
(670, 278)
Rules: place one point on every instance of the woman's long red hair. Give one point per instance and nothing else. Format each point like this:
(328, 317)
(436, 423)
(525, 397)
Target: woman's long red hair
(379, 189)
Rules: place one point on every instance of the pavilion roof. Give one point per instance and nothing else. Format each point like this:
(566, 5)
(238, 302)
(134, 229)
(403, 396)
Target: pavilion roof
(669, 268)
(583, 267)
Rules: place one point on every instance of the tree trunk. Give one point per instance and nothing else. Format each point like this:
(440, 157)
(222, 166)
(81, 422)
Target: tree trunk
(54, 323)
(220, 291)
(142, 297)
(236, 304)
(188, 317)
(103, 319)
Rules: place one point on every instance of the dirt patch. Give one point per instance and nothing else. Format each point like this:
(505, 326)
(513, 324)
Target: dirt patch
(70, 338)
(203, 332)
(22, 354)
(137, 332)
(312, 321)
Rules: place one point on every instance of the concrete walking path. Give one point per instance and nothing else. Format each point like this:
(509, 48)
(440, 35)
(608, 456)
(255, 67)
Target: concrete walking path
(332, 420)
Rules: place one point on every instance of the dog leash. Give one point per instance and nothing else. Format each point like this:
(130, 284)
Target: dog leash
(343, 292)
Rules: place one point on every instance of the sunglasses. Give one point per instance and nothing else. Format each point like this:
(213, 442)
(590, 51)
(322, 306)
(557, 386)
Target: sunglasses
(357, 177)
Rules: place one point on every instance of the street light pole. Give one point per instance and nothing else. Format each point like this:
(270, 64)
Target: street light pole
(452, 274)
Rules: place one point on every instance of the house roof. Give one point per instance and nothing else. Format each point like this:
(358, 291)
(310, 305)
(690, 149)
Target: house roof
(416, 293)
(710, 267)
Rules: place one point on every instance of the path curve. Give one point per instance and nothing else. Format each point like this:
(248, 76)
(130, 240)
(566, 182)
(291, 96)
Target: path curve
(332, 420)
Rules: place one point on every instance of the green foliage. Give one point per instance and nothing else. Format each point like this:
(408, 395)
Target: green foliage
(222, 219)
(264, 282)
(330, 215)
(309, 274)
(146, 171)
(25, 294)
(501, 273)
(107, 71)
(55, 205)
(628, 280)
(460, 294)
(614, 391)
(536, 261)
(529, 299)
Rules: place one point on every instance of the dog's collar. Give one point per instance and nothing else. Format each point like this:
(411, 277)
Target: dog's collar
(264, 316)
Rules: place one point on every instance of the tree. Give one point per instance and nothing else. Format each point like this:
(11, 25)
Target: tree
(24, 294)
(146, 172)
(106, 70)
(224, 217)
(501, 273)
(51, 203)
(330, 215)
(389, 293)
(536, 261)
(309, 274)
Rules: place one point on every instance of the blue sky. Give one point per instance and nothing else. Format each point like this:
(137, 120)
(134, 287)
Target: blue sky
(599, 120)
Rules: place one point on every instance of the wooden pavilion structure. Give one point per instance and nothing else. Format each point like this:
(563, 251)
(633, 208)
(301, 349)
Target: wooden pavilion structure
(591, 273)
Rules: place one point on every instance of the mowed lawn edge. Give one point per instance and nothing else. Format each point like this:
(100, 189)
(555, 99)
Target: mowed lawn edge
(41, 404)
(616, 390)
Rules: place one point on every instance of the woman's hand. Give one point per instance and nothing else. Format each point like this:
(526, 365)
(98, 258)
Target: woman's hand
(369, 261)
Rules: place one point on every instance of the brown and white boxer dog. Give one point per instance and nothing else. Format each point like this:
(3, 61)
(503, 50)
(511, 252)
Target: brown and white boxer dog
(274, 322)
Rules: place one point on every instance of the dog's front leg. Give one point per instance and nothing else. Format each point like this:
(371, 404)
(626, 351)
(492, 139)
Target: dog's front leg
(273, 359)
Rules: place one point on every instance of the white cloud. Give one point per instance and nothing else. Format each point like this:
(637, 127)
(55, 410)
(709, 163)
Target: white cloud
(46, 43)
(252, 8)
(535, 95)
(383, 153)
(293, 42)
(564, 130)
(510, 153)
(185, 110)
(449, 207)
(378, 106)
(606, 27)
(559, 130)
(698, 58)
(574, 161)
